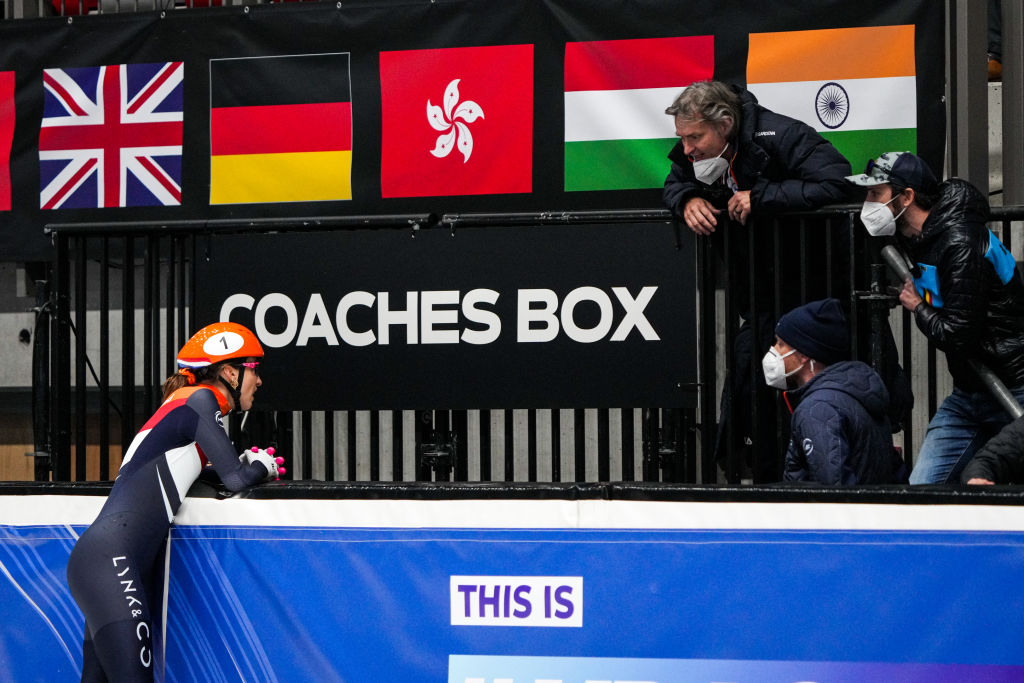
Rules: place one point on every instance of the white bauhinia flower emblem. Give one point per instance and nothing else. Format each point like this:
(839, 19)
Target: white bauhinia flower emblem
(452, 122)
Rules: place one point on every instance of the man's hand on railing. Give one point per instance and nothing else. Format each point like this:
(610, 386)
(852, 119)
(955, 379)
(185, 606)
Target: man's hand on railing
(739, 207)
(700, 215)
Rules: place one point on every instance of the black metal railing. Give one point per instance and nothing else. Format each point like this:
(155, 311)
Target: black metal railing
(132, 286)
(30, 9)
(123, 302)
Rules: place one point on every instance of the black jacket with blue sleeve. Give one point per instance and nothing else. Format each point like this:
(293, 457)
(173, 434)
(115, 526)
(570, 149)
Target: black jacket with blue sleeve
(973, 292)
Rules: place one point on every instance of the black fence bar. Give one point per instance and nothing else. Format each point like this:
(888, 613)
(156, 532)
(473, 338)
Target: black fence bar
(804, 275)
(707, 364)
(150, 315)
(690, 441)
(60, 354)
(351, 454)
(851, 284)
(374, 446)
(510, 462)
(556, 445)
(765, 270)
(908, 367)
(830, 255)
(670, 455)
(397, 445)
(186, 247)
(423, 425)
(579, 429)
(531, 445)
(627, 445)
(128, 426)
(603, 468)
(248, 225)
(329, 445)
(460, 427)
(933, 401)
(171, 298)
(104, 360)
(41, 369)
(486, 446)
(648, 437)
(80, 331)
(306, 456)
(731, 464)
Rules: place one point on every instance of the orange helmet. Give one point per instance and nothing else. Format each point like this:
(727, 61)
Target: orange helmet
(219, 342)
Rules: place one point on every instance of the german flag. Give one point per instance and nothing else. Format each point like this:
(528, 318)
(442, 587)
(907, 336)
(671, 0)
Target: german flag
(280, 129)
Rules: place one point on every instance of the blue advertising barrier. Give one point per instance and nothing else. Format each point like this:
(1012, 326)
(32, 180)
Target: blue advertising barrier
(519, 591)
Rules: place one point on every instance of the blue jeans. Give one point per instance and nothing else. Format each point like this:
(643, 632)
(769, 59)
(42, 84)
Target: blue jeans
(961, 426)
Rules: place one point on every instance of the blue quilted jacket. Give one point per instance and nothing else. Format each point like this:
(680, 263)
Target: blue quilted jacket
(840, 433)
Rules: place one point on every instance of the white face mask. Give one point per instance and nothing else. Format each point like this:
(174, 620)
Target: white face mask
(774, 366)
(708, 171)
(878, 219)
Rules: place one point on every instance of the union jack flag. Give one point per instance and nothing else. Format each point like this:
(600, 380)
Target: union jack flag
(111, 136)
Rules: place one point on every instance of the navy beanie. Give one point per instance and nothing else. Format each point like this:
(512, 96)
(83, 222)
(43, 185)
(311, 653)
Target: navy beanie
(817, 330)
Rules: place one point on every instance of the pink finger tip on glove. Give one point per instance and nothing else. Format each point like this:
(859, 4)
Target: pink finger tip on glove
(270, 451)
(279, 460)
(254, 449)
(281, 470)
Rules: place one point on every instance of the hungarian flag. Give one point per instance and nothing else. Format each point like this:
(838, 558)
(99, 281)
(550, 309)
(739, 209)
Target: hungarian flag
(6, 136)
(280, 129)
(617, 135)
(456, 121)
(855, 86)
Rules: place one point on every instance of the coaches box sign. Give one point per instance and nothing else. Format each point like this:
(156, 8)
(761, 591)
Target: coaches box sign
(503, 317)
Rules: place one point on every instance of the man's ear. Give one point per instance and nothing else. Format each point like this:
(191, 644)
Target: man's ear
(910, 194)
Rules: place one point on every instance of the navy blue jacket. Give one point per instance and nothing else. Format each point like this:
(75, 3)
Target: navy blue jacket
(784, 163)
(840, 433)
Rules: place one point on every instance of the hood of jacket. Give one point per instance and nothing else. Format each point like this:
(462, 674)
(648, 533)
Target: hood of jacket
(959, 203)
(852, 378)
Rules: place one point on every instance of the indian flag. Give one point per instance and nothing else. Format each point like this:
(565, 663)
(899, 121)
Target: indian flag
(617, 135)
(855, 86)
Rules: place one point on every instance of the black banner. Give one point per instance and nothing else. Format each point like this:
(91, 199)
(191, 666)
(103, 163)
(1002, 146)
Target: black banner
(500, 108)
(498, 317)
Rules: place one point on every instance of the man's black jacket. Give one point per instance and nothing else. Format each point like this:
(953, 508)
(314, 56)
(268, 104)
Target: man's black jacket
(978, 308)
(784, 163)
(1001, 460)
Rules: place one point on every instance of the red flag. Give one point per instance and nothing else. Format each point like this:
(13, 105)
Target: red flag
(6, 136)
(457, 121)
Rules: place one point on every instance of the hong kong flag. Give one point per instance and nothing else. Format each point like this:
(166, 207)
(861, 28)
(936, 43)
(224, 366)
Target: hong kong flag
(457, 121)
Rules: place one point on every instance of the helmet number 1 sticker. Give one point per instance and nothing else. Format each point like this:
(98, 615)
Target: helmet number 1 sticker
(223, 343)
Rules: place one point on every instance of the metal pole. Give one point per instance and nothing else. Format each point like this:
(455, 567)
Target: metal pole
(968, 84)
(41, 382)
(1013, 103)
(60, 379)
